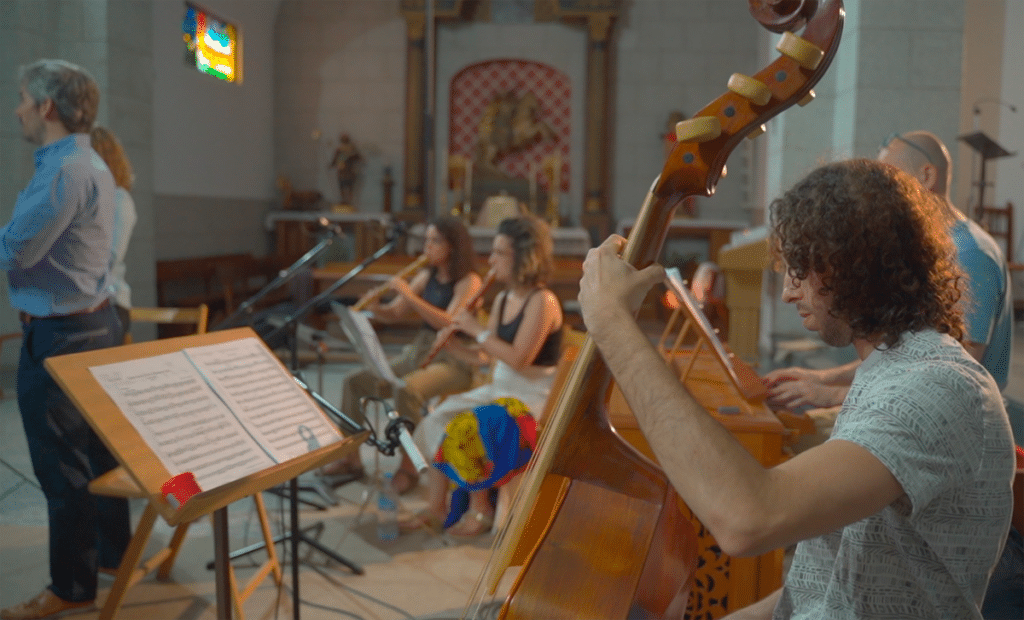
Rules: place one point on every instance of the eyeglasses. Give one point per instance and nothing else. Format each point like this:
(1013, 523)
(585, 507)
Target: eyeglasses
(896, 136)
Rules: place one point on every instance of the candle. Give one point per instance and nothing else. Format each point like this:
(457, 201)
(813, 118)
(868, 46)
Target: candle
(469, 180)
(533, 186)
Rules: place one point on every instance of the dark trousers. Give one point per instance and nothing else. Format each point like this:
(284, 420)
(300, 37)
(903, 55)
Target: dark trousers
(86, 531)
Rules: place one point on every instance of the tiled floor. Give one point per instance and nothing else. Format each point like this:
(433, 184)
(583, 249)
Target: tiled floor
(419, 575)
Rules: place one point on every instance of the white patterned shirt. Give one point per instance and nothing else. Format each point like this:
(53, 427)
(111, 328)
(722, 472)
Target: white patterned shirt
(933, 416)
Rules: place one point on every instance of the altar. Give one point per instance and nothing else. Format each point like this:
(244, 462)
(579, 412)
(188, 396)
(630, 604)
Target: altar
(295, 232)
(568, 242)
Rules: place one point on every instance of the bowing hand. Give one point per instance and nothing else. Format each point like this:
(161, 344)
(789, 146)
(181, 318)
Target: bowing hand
(610, 286)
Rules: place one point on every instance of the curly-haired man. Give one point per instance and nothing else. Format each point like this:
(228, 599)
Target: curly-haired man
(987, 303)
(902, 512)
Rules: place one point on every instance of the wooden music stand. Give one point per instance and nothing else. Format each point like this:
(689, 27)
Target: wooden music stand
(72, 374)
(740, 375)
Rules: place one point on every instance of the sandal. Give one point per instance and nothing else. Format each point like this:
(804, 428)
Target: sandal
(473, 523)
(423, 520)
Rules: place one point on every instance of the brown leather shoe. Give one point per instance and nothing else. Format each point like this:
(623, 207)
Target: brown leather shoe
(46, 605)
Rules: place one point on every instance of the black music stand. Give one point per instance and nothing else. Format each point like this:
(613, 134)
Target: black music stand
(988, 149)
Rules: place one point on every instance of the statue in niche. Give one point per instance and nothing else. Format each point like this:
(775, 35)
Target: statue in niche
(347, 162)
(509, 123)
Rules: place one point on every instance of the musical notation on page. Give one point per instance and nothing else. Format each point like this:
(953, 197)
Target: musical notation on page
(268, 402)
(220, 411)
(180, 417)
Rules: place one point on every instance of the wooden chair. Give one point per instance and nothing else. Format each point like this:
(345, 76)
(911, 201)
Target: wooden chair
(196, 317)
(119, 483)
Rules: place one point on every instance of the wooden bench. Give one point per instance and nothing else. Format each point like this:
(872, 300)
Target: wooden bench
(221, 282)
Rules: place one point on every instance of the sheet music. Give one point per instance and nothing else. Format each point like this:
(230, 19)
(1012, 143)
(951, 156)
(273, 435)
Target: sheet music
(363, 337)
(185, 424)
(267, 401)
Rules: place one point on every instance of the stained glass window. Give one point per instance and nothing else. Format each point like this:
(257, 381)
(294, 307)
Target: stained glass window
(212, 45)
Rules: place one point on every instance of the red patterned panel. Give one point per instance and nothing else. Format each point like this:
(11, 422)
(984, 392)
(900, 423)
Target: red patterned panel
(473, 88)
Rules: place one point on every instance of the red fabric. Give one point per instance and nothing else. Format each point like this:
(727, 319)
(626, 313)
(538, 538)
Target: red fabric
(182, 487)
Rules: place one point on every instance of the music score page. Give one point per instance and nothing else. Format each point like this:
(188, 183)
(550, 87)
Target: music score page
(181, 419)
(268, 401)
(221, 411)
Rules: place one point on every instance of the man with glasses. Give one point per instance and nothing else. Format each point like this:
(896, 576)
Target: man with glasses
(988, 309)
(903, 511)
(988, 317)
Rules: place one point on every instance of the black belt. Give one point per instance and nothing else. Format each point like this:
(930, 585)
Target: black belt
(27, 318)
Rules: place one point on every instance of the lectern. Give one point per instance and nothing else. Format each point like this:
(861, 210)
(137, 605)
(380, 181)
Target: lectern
(988, 149)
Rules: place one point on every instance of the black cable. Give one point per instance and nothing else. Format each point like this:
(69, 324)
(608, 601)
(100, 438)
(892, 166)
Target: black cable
(16, 486)
(20, 475)
(364, 595)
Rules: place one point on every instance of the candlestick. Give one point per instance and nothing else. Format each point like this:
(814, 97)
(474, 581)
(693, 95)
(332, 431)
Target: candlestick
(533, 186)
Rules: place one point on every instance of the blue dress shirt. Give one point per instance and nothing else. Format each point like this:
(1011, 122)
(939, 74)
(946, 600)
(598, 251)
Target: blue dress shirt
(56, 248)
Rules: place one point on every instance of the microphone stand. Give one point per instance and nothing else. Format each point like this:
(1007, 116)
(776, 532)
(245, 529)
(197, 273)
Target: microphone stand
(246, 307)
(292, 320)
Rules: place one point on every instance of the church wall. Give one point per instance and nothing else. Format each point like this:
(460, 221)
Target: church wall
(1010, 170)
(677, 56)
(339, 68)
(214, 177)
(558, 45)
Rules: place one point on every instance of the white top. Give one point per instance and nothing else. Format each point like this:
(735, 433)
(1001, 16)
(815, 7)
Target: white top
(124, 222)
(933, 416)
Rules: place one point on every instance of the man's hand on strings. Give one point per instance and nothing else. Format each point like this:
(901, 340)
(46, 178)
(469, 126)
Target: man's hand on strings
(612, 288)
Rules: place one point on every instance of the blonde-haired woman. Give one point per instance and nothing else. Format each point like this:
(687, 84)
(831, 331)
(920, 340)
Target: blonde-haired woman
(109, 148)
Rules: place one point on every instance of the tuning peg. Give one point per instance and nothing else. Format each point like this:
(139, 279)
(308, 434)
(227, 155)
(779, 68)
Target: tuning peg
(805, 53)
(746, 86)
(756, 132)
(700, 129)
(809, 97)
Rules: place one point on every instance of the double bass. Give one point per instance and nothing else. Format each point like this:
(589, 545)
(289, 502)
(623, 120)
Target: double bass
(616, 544)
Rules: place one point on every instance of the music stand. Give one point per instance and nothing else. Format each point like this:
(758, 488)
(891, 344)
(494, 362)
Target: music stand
(72, 374)
(988, 149)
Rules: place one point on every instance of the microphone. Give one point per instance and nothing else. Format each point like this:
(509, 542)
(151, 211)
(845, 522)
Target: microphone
(326, 224)
(401, 426)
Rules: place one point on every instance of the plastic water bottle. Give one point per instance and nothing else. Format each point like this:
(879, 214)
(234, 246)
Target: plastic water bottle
(387, 511)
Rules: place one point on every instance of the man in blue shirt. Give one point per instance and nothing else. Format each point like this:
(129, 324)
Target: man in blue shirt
(56, 252)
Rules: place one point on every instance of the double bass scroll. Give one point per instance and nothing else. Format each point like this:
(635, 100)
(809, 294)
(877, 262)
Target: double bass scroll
(616, 545)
